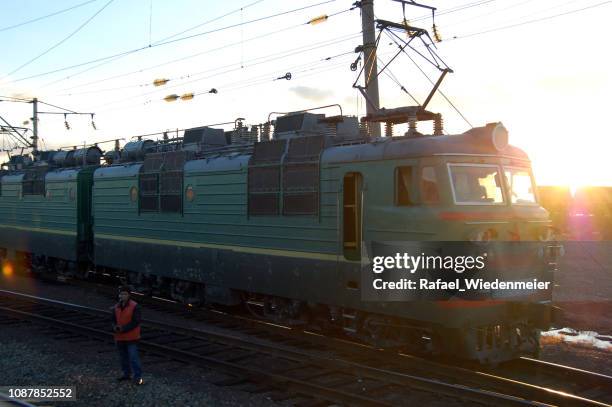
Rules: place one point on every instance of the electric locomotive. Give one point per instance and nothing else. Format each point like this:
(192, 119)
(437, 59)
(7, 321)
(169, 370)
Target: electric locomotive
(275, 221)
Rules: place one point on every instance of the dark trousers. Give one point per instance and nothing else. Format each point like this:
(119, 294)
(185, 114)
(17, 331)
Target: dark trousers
(130, 362)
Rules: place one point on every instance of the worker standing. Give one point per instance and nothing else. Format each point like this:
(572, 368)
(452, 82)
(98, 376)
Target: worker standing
(126, 327)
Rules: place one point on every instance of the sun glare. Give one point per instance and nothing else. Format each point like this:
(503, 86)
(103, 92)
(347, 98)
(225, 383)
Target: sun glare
(573, 188)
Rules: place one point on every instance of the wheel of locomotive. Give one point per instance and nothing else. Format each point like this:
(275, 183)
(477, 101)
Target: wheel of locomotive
(254, 305)
(39, 264)
(375, 330)
(60, 266)
(529, 339)
(138, 282)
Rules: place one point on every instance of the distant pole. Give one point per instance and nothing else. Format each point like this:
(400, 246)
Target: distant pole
(35, 127)
(370, 65)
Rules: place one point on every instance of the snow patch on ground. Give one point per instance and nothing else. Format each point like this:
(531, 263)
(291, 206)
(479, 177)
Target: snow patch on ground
(582, 337)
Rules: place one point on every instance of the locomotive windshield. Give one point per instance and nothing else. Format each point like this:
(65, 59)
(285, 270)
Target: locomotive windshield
(481, 184)
(476, 184)
(520, 185)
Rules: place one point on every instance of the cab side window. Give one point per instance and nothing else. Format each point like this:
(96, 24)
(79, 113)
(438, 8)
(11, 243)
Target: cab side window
(403, 186)
(429, 186)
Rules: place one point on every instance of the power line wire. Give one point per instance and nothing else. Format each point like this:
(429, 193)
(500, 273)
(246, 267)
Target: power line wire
(170, 41)
(453, 10)
(55, 106)
(253, 81)
(496, 10)
(108, 61)
(62, 41)
(209, 21)
(181, 59)
(226, 72)
(174, 60)
(241, 65)
(537, 20)
(46, 16)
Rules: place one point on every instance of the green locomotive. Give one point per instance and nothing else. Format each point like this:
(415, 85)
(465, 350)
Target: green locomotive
(278, 225)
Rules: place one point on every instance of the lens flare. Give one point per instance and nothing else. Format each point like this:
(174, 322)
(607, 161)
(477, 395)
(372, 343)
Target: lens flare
(7, 269)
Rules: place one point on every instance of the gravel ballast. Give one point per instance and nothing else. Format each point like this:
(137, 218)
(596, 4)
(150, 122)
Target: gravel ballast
(31, 357)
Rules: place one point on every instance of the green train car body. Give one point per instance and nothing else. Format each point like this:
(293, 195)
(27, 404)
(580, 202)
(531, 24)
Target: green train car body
(215, 241)
(55, 221)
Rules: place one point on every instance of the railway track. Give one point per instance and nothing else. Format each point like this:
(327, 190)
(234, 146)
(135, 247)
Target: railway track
(301, 368)
(528, 378)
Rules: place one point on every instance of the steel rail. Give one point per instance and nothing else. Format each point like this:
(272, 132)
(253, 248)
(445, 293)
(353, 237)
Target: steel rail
(331, 364)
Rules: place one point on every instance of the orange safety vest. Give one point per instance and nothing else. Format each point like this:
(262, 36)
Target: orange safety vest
(124, 317)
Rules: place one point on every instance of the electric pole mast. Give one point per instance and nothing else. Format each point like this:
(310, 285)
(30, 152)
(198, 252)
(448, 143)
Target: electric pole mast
(35, 127)
(370, 65)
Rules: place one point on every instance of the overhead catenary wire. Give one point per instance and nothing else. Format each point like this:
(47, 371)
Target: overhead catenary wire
(57, 107)
(108, 61)
(263, 78)
(460, 7)
(496, 10)
(241, 65)
(208, 77)
(10, 27)
(259, 80)
(218, 48)
(522, 23)
(212, 20)
(79, 28)
(159, 44)
(522, 18)
(121, 75)
(267, 78)
(536, 20)
(215, 49)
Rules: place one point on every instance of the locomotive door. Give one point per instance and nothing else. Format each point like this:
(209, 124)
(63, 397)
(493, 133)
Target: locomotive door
(352, 218)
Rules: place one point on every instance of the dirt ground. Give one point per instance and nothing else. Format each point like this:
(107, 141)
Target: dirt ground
(583, 286)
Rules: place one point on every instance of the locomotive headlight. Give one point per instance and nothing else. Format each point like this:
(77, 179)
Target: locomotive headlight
(499, 137)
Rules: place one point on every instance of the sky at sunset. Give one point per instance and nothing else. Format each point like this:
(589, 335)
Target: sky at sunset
(542, 67)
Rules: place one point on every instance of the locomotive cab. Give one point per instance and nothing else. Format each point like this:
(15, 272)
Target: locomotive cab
(472, 187)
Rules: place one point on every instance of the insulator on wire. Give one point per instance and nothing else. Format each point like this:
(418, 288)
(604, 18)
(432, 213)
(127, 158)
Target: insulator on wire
(285, 76)
(354, 64)
(187, 96)
(436, 34)
(318, 20)
(93, 124)
(160, 82)
(171, 98)
(66, 122)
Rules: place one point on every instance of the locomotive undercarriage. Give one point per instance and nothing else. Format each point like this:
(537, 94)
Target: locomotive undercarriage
(487, 344)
